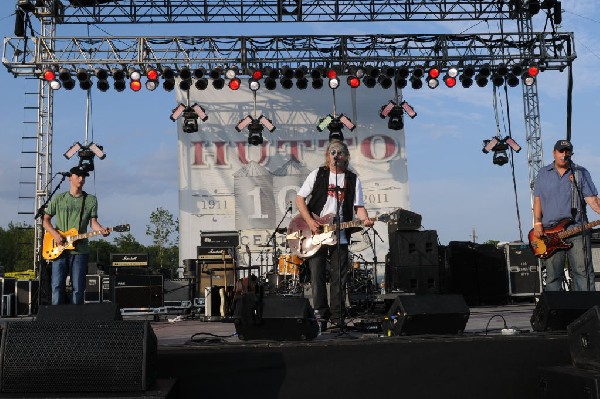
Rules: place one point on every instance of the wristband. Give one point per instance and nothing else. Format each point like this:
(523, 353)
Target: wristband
(537, 223)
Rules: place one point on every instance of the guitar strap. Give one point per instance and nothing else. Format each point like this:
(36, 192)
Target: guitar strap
(81, 212)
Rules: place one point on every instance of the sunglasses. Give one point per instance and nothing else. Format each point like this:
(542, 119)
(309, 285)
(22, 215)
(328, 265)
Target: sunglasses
(564, 150)
(338, 152)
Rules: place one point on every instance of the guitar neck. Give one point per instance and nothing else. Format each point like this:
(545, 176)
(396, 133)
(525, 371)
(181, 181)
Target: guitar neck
(87, 235)
(347, 225)
(577, 230)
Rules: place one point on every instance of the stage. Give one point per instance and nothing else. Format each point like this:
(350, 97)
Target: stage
(208, 360)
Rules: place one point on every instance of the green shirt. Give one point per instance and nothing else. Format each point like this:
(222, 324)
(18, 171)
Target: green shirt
(65, 209)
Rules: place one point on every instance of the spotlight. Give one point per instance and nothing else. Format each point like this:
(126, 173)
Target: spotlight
(317, 83)
(512, 80)
(401, 82)
(135, 85)
(255, 136)
(49, 75)
(527, 79)
(200, 112)
(266, 123)
(452, 72)
(324, 122)
(201, 84)
(134, 74)
(481, 80)
(102, 83)
(497, 79)
(432, 83)
(317, 73)
(271, 72)
(335, 130)
(177, 112)
(231, 72)
(386, 109)
(434, 72)
(450, 81)
(118, 75)
(466, 81)
(369, 81)
(331, 73)
(190, 122)
(287, 72)
(348, 124)
(64, 74)
(499, 146)
(371, 71)
(253, 84)
(255, 128)
(234, 83)
(302, 83)
(403, 72)
(395, 121)
(152, 76)
(533, 70)
(388, 71)
(55, 85)
(485, 70)
(169, 76)
(300, 72)
(469, 71)
(84, 79)
(218, 83)
(408, 109)
(353, 81)
(415, 82)
(502, 69)
(215, 73)
(190, 116)
(517, 70)
(384, 81)
(418, 72)
(242, 124)
(286, 83)
(72, 151)
(97, 150)
(256, 74)
(334, 83)
(199, 73)
(270, 83)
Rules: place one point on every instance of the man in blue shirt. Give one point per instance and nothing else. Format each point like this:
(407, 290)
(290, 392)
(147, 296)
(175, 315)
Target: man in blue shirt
(557, 192)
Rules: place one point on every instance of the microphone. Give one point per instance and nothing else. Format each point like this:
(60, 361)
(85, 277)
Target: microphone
(336, 158)
(567, 158)
(290, 206)
(65, 174)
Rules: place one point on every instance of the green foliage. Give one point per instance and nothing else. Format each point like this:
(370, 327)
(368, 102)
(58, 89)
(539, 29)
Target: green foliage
(16, 247)
(163, 229)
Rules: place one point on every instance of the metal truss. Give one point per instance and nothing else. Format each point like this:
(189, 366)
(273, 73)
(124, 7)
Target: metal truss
(222, 11)
(28, 56)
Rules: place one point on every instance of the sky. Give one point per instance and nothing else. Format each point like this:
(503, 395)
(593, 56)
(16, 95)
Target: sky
(456, 188)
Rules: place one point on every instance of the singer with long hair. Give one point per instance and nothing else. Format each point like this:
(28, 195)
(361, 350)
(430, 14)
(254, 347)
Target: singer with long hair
(331, 189)
(561, 191)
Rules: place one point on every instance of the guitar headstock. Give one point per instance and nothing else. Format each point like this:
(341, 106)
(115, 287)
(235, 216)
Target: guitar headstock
(122, 228)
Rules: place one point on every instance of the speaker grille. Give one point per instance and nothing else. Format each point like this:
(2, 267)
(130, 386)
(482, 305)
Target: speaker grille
(88, 356)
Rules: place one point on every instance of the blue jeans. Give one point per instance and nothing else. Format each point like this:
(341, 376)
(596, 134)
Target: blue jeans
(555, 265)
(318, 265)
(75, 265)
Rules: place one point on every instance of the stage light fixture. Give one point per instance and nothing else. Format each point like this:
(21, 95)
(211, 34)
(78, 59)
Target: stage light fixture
(84, 79)
(450, 81)
(300, 72)
(408, 109)
(401, 82)
(271, 72)
(218, 83)
(270, 83)
(533, 70)
(432, 83)
(517, 69)
(324, 122)
(135, 85)
(97, 150)
(418, 72)
(231, 72)
(255, 136)
(384, 81)
(118, 75)
(497, 79)
(334, 83)
(286, 83)
(177, 112)
(359, 71)
(469, 70)
(388, 71)
(433, 72)
(242, 124)
(152, 79)
(386, 109)
(348, 124)
(335, 130)
(369, 81)
(215, 73)
(64, 74)
(499, 146)
(168, 75)
(415, 82)
(287, 72)
(134, 74)
(201, 84)
(266, 123)
(331, 73)
(255, 128)
(234, 84)
(395, 121)
(512, 80)
(317, 72)
(201, 112)
(253, 84)
(403, 72)
(302, 83)
(481, 80)
(190, 122)
(55, 84)
(257, 74)
(72, 150)
(372, 71)
(317, 83)
(502, 69)
(485, 70)
(48, 74)
(199, 73)
(452, 72)
(353, 81)
(527, 79)
(466, 81)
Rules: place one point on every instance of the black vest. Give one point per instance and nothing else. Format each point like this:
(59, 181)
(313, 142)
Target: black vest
(320, 191)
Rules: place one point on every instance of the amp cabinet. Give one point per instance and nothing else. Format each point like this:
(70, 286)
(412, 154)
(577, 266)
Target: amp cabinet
(137, 291)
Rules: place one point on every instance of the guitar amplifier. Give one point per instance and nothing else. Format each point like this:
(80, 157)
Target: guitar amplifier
(215, 254)
(137, 291)
(133, 259)
(220, 239)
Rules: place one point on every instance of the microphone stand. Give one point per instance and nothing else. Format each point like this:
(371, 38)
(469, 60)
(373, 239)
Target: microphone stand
(582, 222)
(272, 238)
(44, 293)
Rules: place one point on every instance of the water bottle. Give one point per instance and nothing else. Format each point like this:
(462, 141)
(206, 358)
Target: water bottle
(318, 319)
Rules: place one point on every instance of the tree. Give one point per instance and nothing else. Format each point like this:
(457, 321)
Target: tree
(164, 230)
(128, 244)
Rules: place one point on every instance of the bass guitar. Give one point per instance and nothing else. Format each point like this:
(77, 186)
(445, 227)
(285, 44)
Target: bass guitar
(553, 238)
(304, 244)
(52, 250)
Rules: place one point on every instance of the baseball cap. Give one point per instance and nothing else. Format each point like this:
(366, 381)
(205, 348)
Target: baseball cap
(76, 170)
(563, 144)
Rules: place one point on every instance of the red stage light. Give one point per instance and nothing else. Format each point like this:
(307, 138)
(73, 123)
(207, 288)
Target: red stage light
(257, 75)
(234, 84)
(152, 74)
(353, 81)
(450, 81)
(135, 85)
(331, 74)
(49, 75)
(434, 72)
(533, 70)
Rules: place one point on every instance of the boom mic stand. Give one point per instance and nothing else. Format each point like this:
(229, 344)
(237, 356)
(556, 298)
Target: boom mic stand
(277, 229)
(584, 235)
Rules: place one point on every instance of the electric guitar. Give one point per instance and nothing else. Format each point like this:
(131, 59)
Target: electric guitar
(553, 238)
(304, 244)
(52, 250)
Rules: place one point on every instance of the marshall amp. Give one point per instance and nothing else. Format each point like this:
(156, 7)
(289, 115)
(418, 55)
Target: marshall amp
(140, 259)
(220, 239)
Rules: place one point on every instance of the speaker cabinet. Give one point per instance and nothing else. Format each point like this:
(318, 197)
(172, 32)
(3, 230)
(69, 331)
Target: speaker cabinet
(413, 248)
(416, 279)
(212, 274)
(556, 309)
(560, 382)
(426, 314)
(93, 289)
(77, 356)
(133, 291)
(274, 318)
(178, 290)
(584, 339)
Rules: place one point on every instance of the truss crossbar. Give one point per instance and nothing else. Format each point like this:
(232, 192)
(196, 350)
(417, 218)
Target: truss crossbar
(220, 11)
(28, 56)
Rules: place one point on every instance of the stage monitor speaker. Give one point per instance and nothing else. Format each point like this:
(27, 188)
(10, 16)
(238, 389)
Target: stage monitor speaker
(89, 312)
(556, 309)
(426, 314)
(584, 339)
(78, 356)
(274, 318)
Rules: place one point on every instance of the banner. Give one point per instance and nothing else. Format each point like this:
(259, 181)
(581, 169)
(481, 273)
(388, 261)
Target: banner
(226, 184)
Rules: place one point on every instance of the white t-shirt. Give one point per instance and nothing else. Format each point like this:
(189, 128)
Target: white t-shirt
(331, 203)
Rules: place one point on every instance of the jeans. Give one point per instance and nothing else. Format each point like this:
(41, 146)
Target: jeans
(75, 265)
(318, 265)
(555, 265)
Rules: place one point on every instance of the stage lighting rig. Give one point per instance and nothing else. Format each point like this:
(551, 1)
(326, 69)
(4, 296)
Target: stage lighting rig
(395, 113)
(335, 124)
(86, 154)
(500, 146)
(255, 128)
(190, 114)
